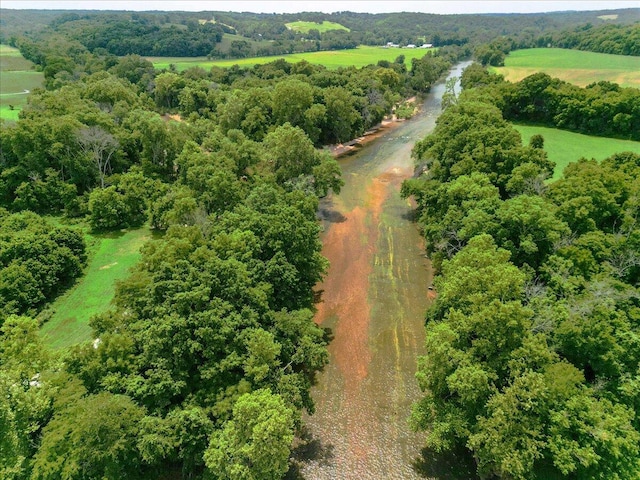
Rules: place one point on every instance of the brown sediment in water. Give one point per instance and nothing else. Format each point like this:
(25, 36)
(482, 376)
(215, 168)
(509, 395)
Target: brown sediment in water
(350, 247)
(373, 301)
(355, 247)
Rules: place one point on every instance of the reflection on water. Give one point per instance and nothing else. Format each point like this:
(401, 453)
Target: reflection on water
(373, 301)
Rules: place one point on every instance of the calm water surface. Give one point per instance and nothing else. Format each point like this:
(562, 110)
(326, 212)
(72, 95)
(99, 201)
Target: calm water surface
(373, 300)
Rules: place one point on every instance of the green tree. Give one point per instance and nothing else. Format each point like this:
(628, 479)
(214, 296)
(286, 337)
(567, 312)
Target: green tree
(25, 404)
(92, 436)
(167, 89)
(291, 99)
(289, 153)
(107, 209)
(343, 120)
(529, 229)
(256, 442)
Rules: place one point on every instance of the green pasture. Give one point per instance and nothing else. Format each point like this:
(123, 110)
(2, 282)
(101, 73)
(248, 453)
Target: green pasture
(325, 26)
(227, 38)
(565, 147)
(17, 78)
(574, 66)
(14, 90)
(357, 57)
(6, 50)
(110, 259)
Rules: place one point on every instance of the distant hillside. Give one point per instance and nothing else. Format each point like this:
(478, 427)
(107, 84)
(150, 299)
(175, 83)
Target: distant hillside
(193, 34)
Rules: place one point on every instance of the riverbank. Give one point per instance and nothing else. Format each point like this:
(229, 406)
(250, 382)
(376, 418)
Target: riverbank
(354, 145)
(370, 135)
(372, 304)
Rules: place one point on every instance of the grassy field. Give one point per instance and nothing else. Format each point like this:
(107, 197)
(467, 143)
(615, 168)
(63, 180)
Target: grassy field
(575, 66)
(111, 257)
(17, 78)
(325, 26)
(227, 38)
(358, 57)
(564, 147)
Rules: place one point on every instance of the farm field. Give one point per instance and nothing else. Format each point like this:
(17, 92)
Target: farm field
(325, 26)
(228, 38)
(358, 57)
(110, 259)
(575, 66)
(17, 78)
(564, 147)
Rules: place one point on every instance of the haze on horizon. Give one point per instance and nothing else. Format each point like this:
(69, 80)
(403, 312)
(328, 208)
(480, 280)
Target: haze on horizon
(327, 6)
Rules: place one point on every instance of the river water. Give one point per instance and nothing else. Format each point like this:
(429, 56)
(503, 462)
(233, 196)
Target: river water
(373, 301)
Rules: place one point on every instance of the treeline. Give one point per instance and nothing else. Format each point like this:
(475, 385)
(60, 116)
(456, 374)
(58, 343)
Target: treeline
(203, 366)
(127, 33)
(602, 108)
(615, 39)
(416, 28)
(199, 33)
(610, 38)
(532, 354)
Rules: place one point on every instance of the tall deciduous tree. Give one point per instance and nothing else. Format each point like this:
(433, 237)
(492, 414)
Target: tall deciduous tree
(100, 146)
(256, 442)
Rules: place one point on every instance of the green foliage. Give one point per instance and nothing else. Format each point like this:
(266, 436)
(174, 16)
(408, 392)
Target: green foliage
(92, 436)
(532, 354)
(601, 108)
(255, 443)
(107, 209)
(121, 205)
(25, 404)
(608, 38)
(214, 311)
(37, 261)
(564, 147)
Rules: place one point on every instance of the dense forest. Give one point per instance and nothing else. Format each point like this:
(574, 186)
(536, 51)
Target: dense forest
(204, 363)
(532, 344)
(202, 368)
(248, 34)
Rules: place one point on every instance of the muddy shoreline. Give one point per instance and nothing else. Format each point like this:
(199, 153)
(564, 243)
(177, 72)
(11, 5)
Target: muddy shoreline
(348, 148)
(387, 124)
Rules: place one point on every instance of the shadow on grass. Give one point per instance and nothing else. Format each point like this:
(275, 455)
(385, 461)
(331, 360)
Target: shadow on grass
(110, 234)
(454, 465)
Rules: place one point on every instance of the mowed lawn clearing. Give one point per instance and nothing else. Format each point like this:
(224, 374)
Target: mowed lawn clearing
(574, 66)
(564, 147)
(17, 79)
(111, 257)
(357, 57)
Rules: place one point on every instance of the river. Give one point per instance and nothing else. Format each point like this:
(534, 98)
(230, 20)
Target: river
(373, 300)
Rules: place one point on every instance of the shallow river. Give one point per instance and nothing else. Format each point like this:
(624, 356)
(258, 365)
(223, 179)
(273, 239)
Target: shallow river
(373, 300)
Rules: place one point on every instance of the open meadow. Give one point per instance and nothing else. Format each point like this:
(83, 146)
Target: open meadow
(565, 147)
(357, 57)
(574, 66)
(111, 256)
(325, 26)
(17, 78)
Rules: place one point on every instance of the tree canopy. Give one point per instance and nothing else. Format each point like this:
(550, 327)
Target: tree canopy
(532, 355)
